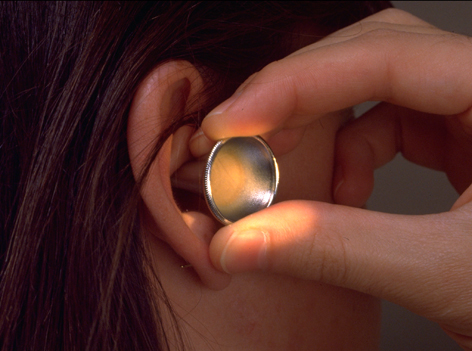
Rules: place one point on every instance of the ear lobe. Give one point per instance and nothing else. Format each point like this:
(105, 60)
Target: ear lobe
(164, 95)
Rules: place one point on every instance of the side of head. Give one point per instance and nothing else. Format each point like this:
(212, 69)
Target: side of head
(97, 103)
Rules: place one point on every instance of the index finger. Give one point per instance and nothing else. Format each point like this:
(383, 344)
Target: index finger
(422, 71)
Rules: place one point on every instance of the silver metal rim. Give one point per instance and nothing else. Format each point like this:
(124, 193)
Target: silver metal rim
(207, 183)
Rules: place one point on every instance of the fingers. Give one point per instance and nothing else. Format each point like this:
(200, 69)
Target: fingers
(464, 199)
(421, 70)
(388, 19)
(280, 142)
(374, 139)
(422, 263)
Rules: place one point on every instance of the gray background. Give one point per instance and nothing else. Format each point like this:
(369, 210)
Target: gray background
(405, 188)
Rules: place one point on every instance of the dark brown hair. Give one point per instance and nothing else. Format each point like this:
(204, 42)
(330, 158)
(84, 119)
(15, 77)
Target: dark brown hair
(73, 270)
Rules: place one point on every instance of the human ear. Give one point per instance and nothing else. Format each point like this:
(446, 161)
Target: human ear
(165, 94)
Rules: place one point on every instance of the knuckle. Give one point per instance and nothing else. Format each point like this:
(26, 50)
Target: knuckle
(396, 15)
(399, 17)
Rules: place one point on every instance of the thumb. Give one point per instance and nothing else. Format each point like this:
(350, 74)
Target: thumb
(414, 261)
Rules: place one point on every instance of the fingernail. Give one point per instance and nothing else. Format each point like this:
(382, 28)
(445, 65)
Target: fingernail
(218, 110)
(245, 251)
(199, 144)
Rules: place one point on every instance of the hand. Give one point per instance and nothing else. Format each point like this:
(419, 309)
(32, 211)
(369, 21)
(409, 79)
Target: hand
(423, 77)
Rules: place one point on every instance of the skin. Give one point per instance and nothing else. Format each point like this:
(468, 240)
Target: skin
(421, 74)
(260, 311)
(255, 310)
